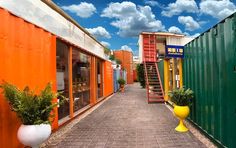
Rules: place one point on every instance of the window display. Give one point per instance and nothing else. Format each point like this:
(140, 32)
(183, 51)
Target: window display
(62, 76)
(99, 79)
(81, 79)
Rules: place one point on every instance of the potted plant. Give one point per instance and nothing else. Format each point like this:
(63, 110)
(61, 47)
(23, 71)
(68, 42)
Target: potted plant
(34, 111)
(121, 82)
(182, 99)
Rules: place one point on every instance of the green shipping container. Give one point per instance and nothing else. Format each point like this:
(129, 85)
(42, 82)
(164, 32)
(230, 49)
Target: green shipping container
(210, 71)
(161, 71)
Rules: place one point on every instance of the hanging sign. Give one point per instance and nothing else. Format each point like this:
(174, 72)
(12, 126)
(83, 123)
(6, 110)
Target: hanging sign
(174, 51)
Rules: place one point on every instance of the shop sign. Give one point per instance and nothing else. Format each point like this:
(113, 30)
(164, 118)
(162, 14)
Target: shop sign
(173, 51)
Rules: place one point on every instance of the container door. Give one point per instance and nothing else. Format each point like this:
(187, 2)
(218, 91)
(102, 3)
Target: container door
(149, 48)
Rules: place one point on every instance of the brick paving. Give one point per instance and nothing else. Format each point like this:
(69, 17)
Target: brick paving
(126, 120)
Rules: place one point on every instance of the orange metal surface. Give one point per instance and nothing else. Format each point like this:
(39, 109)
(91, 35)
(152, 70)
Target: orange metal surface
(149, 48)
(135, 75)
(93, 81)
(28, 57)
(70, 84)
(108, 78)
(126, 58)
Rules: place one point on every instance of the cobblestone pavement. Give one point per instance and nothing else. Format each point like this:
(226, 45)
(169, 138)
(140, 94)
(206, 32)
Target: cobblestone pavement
(127, 120)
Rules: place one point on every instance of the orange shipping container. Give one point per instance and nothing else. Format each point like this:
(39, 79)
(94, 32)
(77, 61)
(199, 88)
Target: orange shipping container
(108, 78)
(126, 58)
(28, 56)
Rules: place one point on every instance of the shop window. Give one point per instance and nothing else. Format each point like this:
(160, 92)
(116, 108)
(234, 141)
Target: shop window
(99, 79)
(81, 79)
(62, 76)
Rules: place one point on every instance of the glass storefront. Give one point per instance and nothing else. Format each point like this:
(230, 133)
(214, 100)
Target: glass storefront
(62, 76)
(81, 79)
(174, 78)
(99, 79)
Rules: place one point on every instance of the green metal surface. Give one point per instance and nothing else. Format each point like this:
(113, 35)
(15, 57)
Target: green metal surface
(161, 70)
(209, 69)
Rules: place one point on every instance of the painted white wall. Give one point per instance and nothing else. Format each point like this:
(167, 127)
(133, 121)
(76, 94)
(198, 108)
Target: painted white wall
(179, 41)
(172, 40)
(140, 45)
(186, 40)
(40, 14)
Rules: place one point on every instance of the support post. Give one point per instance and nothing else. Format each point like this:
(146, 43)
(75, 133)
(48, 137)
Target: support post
(180, 73)
(166, 78)
(71, 84)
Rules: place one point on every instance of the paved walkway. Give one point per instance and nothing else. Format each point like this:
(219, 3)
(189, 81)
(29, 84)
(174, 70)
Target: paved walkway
(126, 120)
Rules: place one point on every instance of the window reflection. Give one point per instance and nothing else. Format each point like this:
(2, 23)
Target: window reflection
(99, 79)
(62, 77)
(81, 79)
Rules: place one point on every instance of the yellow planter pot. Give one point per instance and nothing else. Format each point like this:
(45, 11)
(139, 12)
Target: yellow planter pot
(181, 112)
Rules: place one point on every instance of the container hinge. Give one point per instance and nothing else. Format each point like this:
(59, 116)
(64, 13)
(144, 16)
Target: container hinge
(215, 31)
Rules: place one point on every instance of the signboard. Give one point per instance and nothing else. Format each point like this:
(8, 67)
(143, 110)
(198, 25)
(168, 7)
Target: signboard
(174, 51)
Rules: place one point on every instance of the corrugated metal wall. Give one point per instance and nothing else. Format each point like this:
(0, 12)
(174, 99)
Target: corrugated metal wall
(126, 58)
(210, 70)
(108, 78)
(27, 57)
(161, 71)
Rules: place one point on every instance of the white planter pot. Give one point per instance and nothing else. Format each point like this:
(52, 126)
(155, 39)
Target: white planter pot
(33, 135)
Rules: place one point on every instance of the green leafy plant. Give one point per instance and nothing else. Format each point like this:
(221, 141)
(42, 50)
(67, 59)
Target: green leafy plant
(107, 51)
(121, 81)
(181, 96)
(31, 108)
(140, 74)
(118, 61)
(112, 57)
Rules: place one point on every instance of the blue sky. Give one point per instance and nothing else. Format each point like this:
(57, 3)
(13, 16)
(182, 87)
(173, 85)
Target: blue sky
(117, 23)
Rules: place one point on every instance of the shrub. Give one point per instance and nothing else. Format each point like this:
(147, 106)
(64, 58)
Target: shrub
(31, 108)
(181, 97)
(121, 81)
(140, 75)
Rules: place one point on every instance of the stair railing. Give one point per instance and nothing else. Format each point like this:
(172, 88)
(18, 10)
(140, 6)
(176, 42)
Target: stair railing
(158, 74)
(147, 82)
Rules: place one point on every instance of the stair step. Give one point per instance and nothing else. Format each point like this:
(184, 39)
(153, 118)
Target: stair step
(153, 82)
(154, 85)
(152, 100)
(155, 94)
(152, 73)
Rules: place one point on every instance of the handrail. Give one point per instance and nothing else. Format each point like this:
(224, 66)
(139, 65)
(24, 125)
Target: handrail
(147, 82)
(158, 74)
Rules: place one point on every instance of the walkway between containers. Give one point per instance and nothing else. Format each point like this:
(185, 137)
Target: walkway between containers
(126, 120)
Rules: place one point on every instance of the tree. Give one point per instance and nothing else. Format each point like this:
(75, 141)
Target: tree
(112, 57)
(140, 74)
(107, 51)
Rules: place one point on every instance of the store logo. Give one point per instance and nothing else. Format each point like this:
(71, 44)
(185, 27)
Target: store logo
(174, 51)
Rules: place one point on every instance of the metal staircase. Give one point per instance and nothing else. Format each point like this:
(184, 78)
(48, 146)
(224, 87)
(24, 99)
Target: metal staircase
(153, 82)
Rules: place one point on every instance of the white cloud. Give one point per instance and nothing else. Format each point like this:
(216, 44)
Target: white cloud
(189, 22)
(151, 3)
(83, 9)
(99, 32)
(217, 8)
(180, 6)
(106, 44)
(174, 29)
(195, 35)
(131, 19)
(125, 47)
(186, 33)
